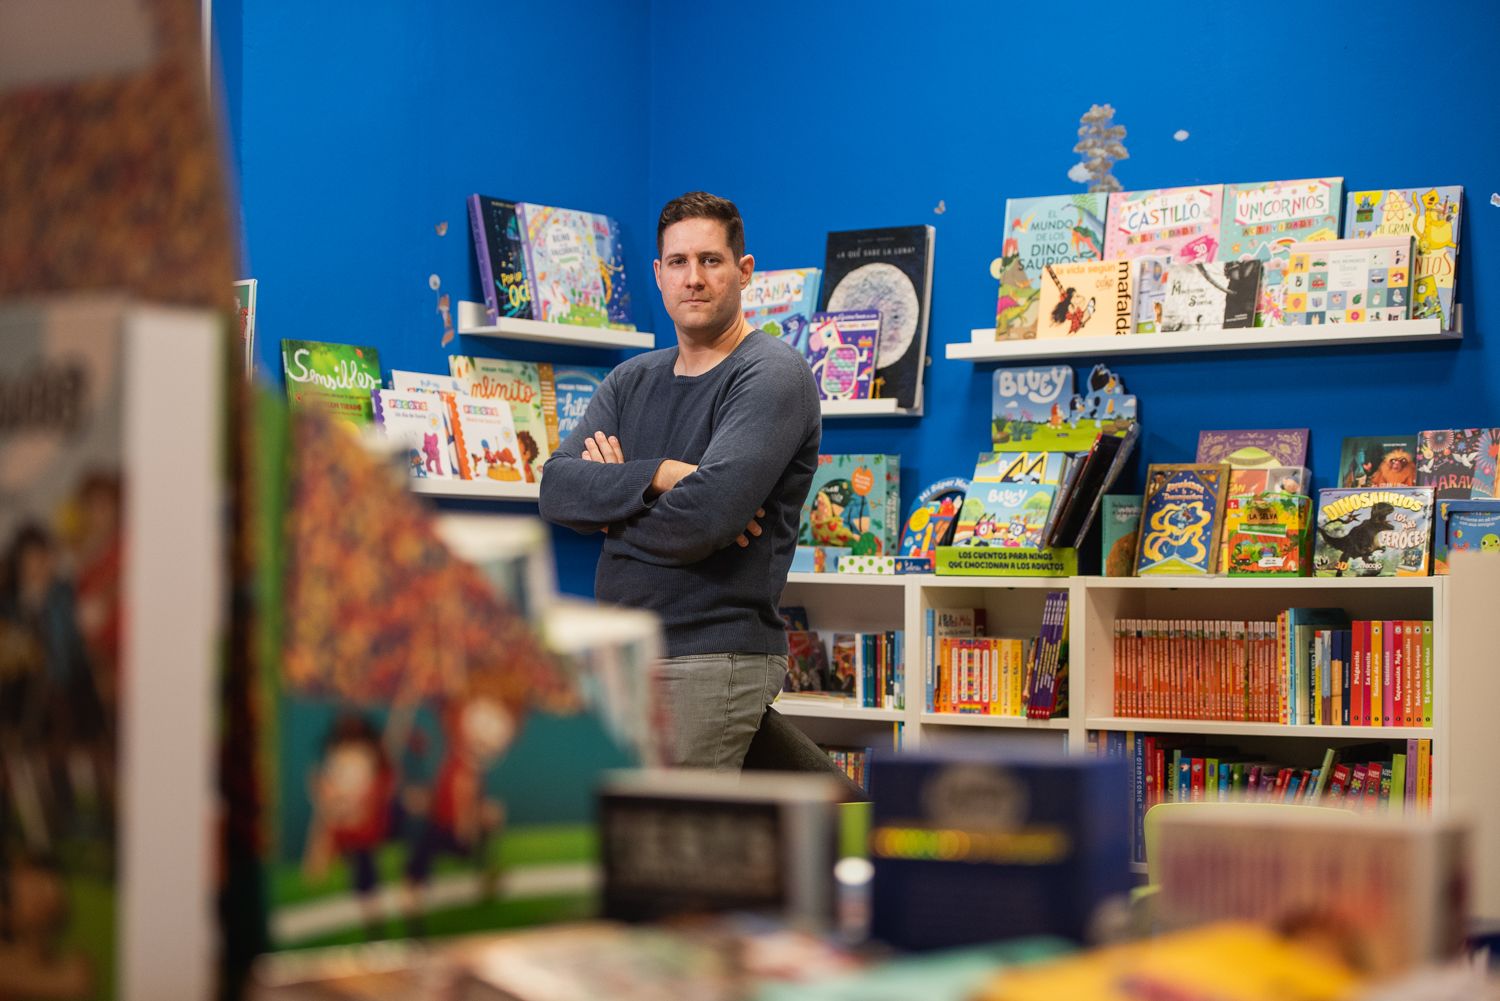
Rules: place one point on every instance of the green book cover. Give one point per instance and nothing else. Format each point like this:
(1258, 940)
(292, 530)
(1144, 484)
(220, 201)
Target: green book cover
(1398, 783)
(333, 378)
(1122, 519)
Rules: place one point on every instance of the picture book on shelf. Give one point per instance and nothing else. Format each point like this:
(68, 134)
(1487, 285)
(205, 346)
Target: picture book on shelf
(1348, 281)
(1262, 221)
(1180, 223)
(244, 308)
(1381, 532)
(1032, 395)
(611, 251)
(486, 441)
(1182, 516)
(573, 386)
(1430, 214)
(1121, 521)
(1254, 448)
(1150, 290)
(1269, 479)
(1038, 232)
(1086, 299)
(806, 663)
(1209, 295)
(854, 502)
(781, 302)
(1446, 460)
(1487, 464)
(1105, 408)
(1464, 526)
(499, 249)
(335, 379)
(526, 387)
(1379, 461)
(933, 515)
(1020, 467)
(1266, 534)
(1004, 514)
(842, 350)
(889, 270)
(418, 422)
(563, 266)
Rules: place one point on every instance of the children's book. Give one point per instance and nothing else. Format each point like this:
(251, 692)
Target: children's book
(416, 421)
(1379, 461)
(1182, 517)
(486, 440)
(782, 302)
(525, 386)
(1348, 281)
(1150, 291)
(244, 303)
(1432, 216)
(932, 517)
(562, 266)
(889, 270)
(611, 252)
(1464, 525)
(1380, 532)
(1086, 299)
(1180, 223)
(1038, 232)
(854, 502)
(842, 350)
(1020, 467)
(1256, 448)
(1210, 295)
(806, 662)
(1446, 460)
(1262, 221)
(1122, 520)
(1269, 479)
(1487, 464)
(1266, 534)
(1032, 395)
(426, 382)
(335, 379)
(1004, 514)
(500, 251)
(573, 387)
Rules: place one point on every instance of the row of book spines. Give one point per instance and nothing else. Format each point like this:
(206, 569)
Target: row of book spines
(854, 762)
(879, 669)
(1377, 672)
(989, 675)
(1251, 672)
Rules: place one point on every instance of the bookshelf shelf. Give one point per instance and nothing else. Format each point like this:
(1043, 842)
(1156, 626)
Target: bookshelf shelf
(983, 347)
(866, 408)
(1259, 583)
(474, 322)
(1246, 729)
(827, 708)
(476, 489)
(999, 722)
(848, 579)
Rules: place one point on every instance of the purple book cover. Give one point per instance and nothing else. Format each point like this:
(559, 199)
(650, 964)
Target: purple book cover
(1253, 449)
(842, 352)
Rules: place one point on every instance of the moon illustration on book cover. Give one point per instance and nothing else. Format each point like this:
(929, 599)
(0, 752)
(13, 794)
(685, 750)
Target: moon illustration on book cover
(887, 288)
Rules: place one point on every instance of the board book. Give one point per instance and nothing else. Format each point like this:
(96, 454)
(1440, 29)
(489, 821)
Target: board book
(854, 503)
(417, 422)
(1348, 281)
(1382, 532)
(526, 387)
(843, 352)
(1038, 232)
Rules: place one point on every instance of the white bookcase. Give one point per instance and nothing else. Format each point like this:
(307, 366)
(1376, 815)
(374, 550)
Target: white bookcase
(1466, 682)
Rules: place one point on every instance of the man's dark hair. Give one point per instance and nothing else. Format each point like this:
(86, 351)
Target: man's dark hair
(702, 205)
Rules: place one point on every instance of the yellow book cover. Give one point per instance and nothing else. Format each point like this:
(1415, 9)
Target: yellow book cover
(1086, 299)
(1376, 673)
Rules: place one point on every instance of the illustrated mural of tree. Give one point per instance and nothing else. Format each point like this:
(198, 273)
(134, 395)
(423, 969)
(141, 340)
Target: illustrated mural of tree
(1101, 146)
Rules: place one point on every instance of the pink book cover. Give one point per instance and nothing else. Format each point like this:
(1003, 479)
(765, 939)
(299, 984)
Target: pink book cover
(1180, 223)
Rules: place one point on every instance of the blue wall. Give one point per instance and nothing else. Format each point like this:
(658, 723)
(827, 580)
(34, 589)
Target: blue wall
(359, 133)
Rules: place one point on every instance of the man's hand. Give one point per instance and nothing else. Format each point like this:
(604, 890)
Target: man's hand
(602, 448)
(669, 474)
(751, 529)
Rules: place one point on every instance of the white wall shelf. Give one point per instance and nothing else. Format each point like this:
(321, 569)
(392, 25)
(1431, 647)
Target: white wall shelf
(983, 346)
(831, 708)
(866, 408)
(434, 486)
(1465, 739)
(473, 321)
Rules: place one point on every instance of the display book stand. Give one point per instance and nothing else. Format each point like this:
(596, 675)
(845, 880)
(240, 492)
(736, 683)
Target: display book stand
(1466, 687)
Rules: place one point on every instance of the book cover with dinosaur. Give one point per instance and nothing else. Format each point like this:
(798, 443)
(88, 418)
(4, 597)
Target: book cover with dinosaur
(1180, 223)
(1182, 516)
(1430, 214)
(1380, 532)
(1041, 231)
(1348, 281)
(1262, 221)
(1086, 299)
(528, 387)
(1210, 295)
(781, 302)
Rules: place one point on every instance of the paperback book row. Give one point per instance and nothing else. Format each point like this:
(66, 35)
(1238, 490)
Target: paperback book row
(866, 669)
(853, 762)
(1369, 777)
(540, 262)
(1227, 256)
(861, 319)
(1244, 508)
(1309, 666)
(1021, 677)
(488, 419)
